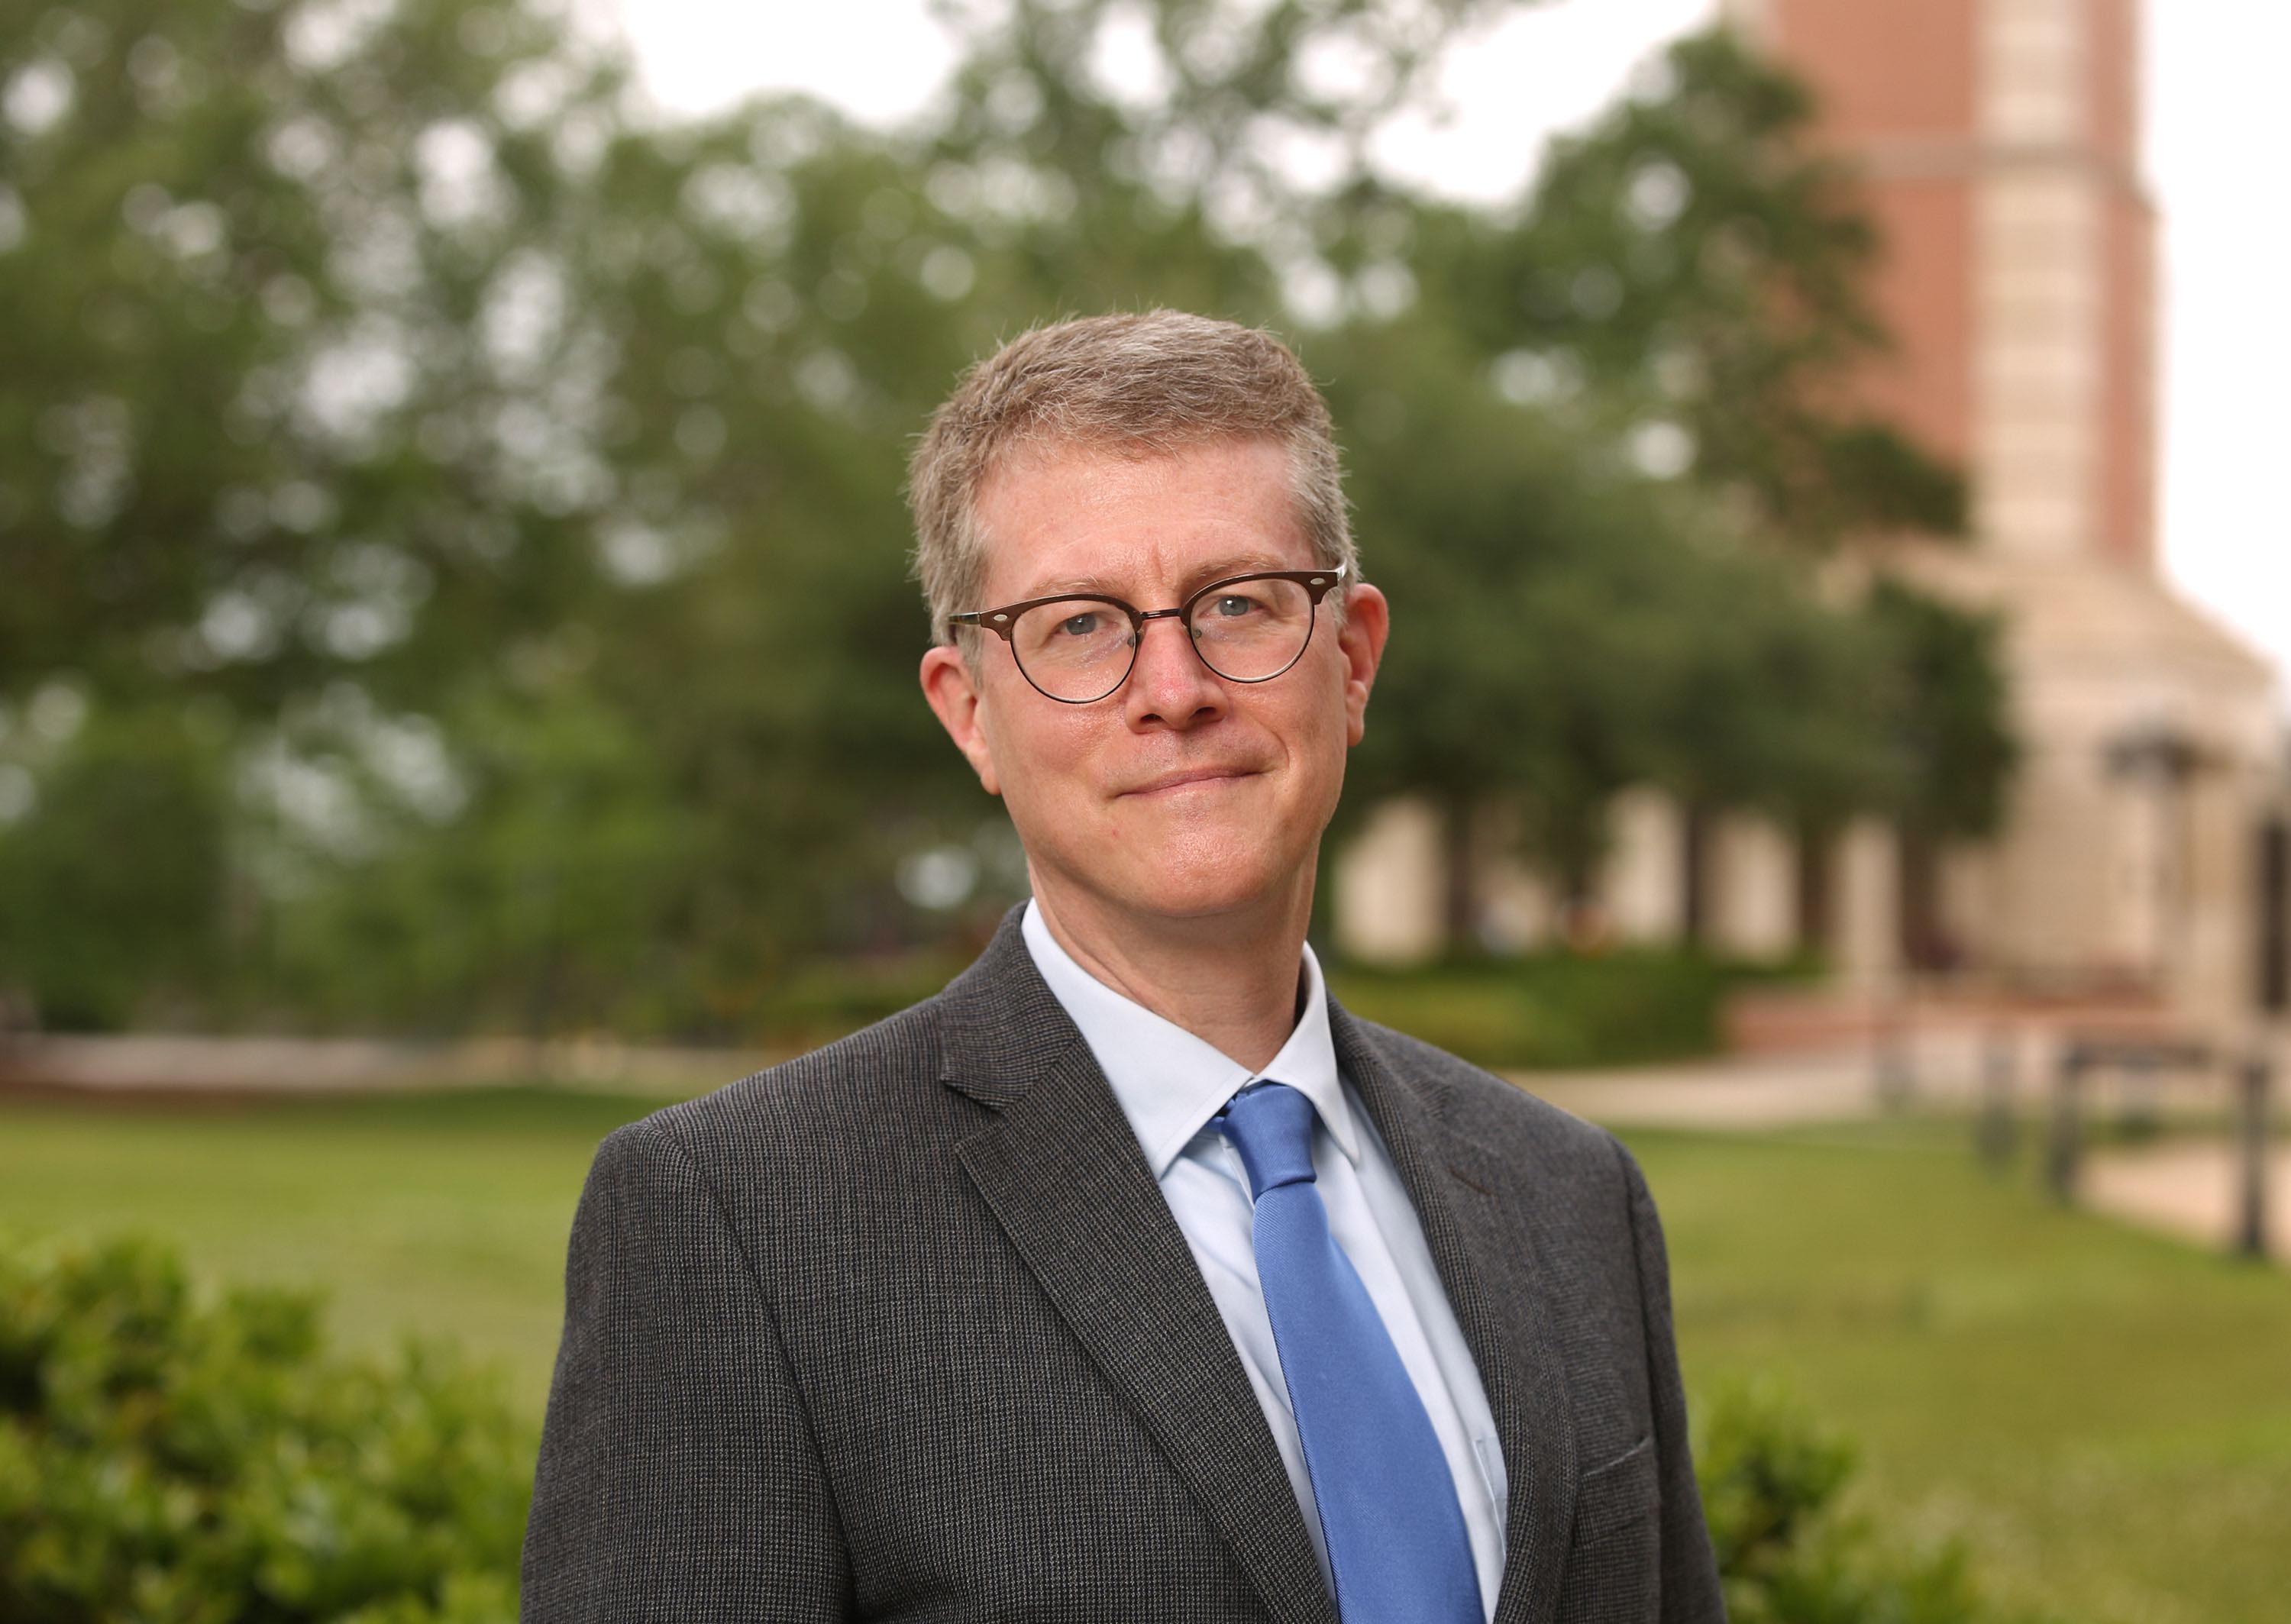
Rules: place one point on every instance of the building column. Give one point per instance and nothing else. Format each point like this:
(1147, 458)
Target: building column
(1643, 884)
(1389, 885)
(1865, 918)
(1753, 883)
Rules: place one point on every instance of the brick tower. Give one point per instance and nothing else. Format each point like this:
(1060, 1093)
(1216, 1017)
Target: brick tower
(1999, 143)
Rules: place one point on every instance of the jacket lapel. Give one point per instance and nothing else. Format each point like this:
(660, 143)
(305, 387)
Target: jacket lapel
(1492, 1252)
(1061, 1170)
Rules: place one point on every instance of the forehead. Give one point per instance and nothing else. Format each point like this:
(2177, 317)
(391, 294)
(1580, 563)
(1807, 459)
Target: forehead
(1060, 517)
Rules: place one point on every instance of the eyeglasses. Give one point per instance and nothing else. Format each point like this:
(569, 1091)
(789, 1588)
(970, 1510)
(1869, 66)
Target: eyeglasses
(1079, 647)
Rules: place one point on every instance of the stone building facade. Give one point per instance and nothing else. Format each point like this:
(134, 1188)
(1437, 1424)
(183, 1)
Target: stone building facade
(1999, 143)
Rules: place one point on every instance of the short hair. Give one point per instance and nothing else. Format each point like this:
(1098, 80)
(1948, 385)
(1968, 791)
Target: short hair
(1145, 384)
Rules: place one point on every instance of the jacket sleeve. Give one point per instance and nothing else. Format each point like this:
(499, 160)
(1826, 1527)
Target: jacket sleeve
(678, 1476)
(1691, 1593)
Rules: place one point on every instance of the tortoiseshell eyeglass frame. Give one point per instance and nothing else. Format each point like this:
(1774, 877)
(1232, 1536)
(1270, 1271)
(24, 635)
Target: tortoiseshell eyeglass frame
(1002, 621)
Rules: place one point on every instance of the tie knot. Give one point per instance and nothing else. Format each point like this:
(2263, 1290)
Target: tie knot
(1271, 1125)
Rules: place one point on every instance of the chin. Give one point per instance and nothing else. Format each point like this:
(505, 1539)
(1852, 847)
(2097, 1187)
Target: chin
(1201, 864)
(1189, 886)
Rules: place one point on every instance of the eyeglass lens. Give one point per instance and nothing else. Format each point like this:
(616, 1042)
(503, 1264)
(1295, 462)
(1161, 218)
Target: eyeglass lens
(1081, 648)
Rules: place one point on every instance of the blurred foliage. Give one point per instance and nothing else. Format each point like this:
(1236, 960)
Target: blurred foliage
(1567, 646)
(453, 541)
(1693, 253)
(561, 876)
(1788, 1553)
(126, 845)
(179, 1461)
(1558, 1009)
(1947, 713)
(272, 413)
(826, 1000)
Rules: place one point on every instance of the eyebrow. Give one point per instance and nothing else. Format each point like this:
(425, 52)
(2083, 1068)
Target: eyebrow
(1239, 563)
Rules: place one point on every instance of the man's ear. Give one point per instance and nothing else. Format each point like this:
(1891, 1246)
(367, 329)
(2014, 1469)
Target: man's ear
(952, 688)
(1367, 618)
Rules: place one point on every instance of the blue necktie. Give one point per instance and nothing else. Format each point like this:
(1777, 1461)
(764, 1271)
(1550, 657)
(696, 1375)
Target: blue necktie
(1388, 1510)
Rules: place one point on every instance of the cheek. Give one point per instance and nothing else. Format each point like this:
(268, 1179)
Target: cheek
(1333, 725)
(1042, 760)
(1313, 746)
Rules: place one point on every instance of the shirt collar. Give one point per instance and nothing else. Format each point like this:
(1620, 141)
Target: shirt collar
(1168, 1082)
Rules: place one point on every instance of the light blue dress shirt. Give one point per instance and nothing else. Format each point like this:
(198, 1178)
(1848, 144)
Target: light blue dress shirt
(1170, 1083)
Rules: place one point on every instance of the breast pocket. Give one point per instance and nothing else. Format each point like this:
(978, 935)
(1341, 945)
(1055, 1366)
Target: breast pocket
(1613, 1561)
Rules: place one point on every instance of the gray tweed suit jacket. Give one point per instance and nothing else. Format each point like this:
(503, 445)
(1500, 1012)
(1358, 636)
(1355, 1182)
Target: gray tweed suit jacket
(905, 1330)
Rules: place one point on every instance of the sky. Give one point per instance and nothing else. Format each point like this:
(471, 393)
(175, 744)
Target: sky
(2219, 130)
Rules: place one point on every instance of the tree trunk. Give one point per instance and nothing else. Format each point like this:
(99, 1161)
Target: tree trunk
(1694, 873)
(1459, 904)
(1817, 906)
(1925, 944)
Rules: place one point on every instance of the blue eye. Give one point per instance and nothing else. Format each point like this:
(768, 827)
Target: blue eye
(1233, 605)
(1079, 626)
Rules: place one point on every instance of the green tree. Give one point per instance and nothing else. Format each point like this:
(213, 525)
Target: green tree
(279, 407)
(510, 485)
(1697, 256)
(278, 415)
(1945, 715)
(506, 868)
(1688, 281)
(112, 880)
(1560, 633)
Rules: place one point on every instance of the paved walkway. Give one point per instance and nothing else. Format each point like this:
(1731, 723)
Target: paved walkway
(159, 1064)
(1740, 1093)
(2189, 1188)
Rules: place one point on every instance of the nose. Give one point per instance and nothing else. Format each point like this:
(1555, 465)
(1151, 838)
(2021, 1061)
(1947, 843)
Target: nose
(1169, 686)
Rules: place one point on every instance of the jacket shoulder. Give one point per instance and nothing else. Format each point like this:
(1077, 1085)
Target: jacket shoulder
(1498, 1115)
(881, 1080)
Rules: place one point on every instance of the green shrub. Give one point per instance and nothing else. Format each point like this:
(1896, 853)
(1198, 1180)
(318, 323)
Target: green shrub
(168, 1461)
(1630, 1007)
(1786, 1553)
(824, 1000)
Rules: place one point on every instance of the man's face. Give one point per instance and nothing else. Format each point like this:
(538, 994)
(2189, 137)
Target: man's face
(1180, 795)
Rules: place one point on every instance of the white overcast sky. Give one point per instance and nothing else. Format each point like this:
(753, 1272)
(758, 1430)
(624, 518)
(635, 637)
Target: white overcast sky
(2219, 134)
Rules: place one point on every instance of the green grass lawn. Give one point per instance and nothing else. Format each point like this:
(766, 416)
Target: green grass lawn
(442, 1215)
(2103, 1416)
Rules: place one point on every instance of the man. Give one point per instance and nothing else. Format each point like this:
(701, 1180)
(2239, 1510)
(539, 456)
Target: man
(1129, 1277)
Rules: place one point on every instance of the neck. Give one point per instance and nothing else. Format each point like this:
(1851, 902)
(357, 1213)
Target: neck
(1231, 979)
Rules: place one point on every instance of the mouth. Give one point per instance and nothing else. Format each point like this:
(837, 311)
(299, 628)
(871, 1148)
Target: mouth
(1197, 778)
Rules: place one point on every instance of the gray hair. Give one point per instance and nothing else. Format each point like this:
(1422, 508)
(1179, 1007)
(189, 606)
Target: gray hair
(1141, 385)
